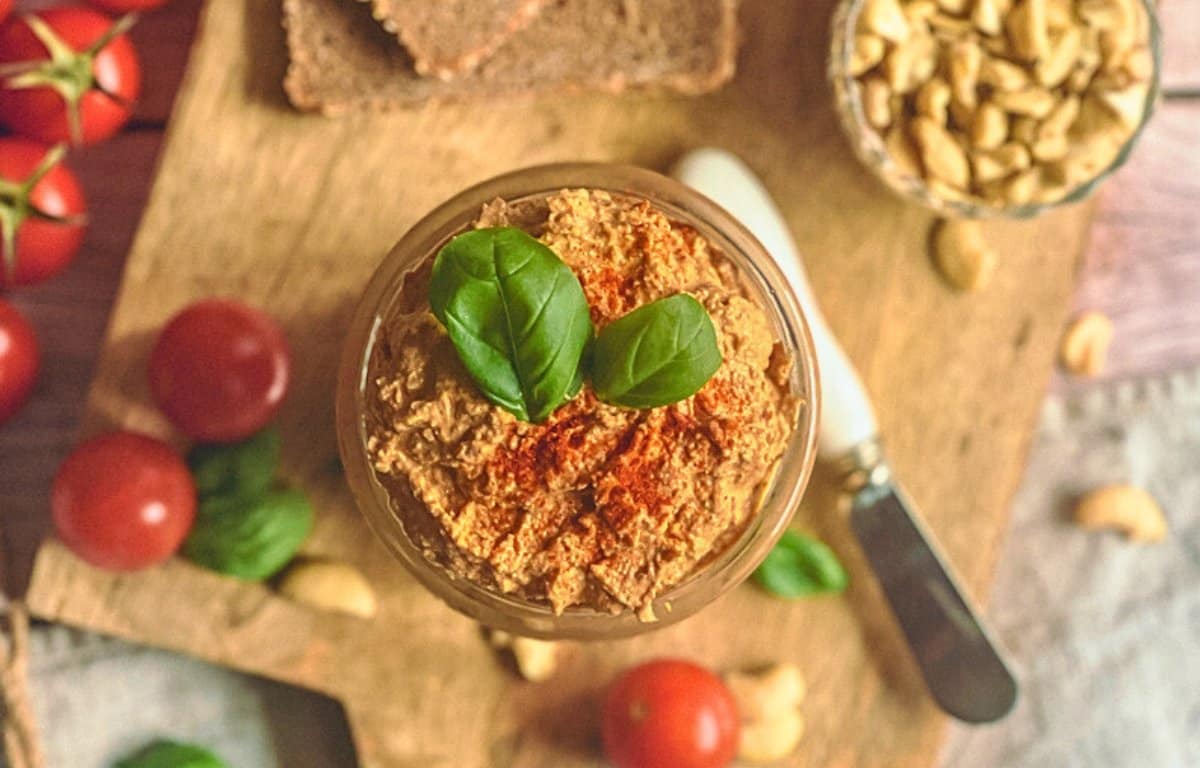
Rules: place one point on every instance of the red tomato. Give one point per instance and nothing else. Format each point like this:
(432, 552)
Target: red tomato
(123, 501)
(670, 714)
(45, 205)
(5, 8)
(96, 76)
(18, 360)
(220, 370)
(117, 7)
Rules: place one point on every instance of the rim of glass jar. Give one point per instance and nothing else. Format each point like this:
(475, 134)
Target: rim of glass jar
(758, 269)
(869, 146)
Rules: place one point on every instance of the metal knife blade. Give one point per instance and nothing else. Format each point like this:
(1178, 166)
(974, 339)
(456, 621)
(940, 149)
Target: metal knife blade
(958, 659)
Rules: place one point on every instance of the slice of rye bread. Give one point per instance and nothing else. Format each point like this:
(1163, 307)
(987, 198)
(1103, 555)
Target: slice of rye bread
(446, 37)
(341, 59)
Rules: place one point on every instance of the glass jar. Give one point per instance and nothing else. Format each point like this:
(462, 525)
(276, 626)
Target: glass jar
(869, 145)
(761, 275)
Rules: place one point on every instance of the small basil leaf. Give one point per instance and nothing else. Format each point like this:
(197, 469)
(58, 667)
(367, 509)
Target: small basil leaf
(658, 354)
(517, 317)
(244, 469)
(800, 566)
(249, 538)
(172, 754)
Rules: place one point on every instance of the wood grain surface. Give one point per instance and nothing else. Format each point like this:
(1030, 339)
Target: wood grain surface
(1143, 267)
(285, 210)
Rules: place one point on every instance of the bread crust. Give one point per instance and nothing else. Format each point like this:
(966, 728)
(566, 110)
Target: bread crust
(341, 60)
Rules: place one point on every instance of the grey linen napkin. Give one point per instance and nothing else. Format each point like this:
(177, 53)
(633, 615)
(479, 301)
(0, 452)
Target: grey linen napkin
(1105, 633)
(98, 699)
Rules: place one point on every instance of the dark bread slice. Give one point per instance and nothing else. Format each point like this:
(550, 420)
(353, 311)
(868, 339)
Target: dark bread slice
(446, 37)
(342, 59)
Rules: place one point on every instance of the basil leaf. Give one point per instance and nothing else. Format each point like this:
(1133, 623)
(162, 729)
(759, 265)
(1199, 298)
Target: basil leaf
(517, 316)
(250, 538)
(244, 469)
(658, 354)
(172, 754)
(800, 566)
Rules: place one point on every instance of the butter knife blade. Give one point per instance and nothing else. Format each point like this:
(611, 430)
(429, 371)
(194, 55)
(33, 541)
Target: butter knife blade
(957, 657)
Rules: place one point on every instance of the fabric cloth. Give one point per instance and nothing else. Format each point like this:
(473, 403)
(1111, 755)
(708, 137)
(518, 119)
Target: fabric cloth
(97, 700)
(1105, 633)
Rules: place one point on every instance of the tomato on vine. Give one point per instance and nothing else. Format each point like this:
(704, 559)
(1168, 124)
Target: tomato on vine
(19, 360)
(68, 74)
(42, 212)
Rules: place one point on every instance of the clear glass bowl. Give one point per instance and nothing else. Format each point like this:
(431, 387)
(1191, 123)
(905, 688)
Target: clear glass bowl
(761, 275)
(869, 146)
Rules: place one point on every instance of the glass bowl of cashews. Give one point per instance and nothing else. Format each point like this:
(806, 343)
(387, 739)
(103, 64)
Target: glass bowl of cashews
(987, 108)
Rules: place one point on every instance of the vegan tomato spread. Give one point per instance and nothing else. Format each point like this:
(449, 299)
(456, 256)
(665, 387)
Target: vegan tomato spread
(600, 506)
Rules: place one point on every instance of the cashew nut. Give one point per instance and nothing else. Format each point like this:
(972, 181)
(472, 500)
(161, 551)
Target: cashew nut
(900, 150)
(1126, 508)
(867, 52)
(772, 739)
(886, 19)
(330, 586)
(1051, 147)
(962, 255)
(1002, 161)
(911, 63)
(1028, 29)
(965, 61)
(767, 692)
(1057, 64)
(1060, 118)
(1002, 75)
(1023, 187)
(537, 660)
(941, 154)
(986, 17)
(933, 100)
(989, 126)
(1032, 102)
(769, 704)
(1085, 344)
(876, 102)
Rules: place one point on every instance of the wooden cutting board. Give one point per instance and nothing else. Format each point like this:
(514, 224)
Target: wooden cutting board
(293, 212)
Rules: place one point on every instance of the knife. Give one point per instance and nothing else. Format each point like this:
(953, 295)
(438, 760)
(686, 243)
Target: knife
(962, 665)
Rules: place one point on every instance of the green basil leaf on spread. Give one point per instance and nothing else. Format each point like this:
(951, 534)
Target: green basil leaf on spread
(658, 354)
(800, 566)
(243, 469)
(517, 316)
(172, 754)
(250, 538)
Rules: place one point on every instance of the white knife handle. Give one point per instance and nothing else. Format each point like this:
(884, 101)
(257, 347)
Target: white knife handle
(847, 418)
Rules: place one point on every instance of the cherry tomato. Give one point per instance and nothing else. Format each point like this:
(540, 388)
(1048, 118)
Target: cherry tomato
(670, 714)
(42, 212)
(123, 501)
(18, 360)
(117, 7)
(220, 370)
(82, 79)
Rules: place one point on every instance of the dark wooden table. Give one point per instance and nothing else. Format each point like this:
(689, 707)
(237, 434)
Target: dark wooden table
(1142, 269)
